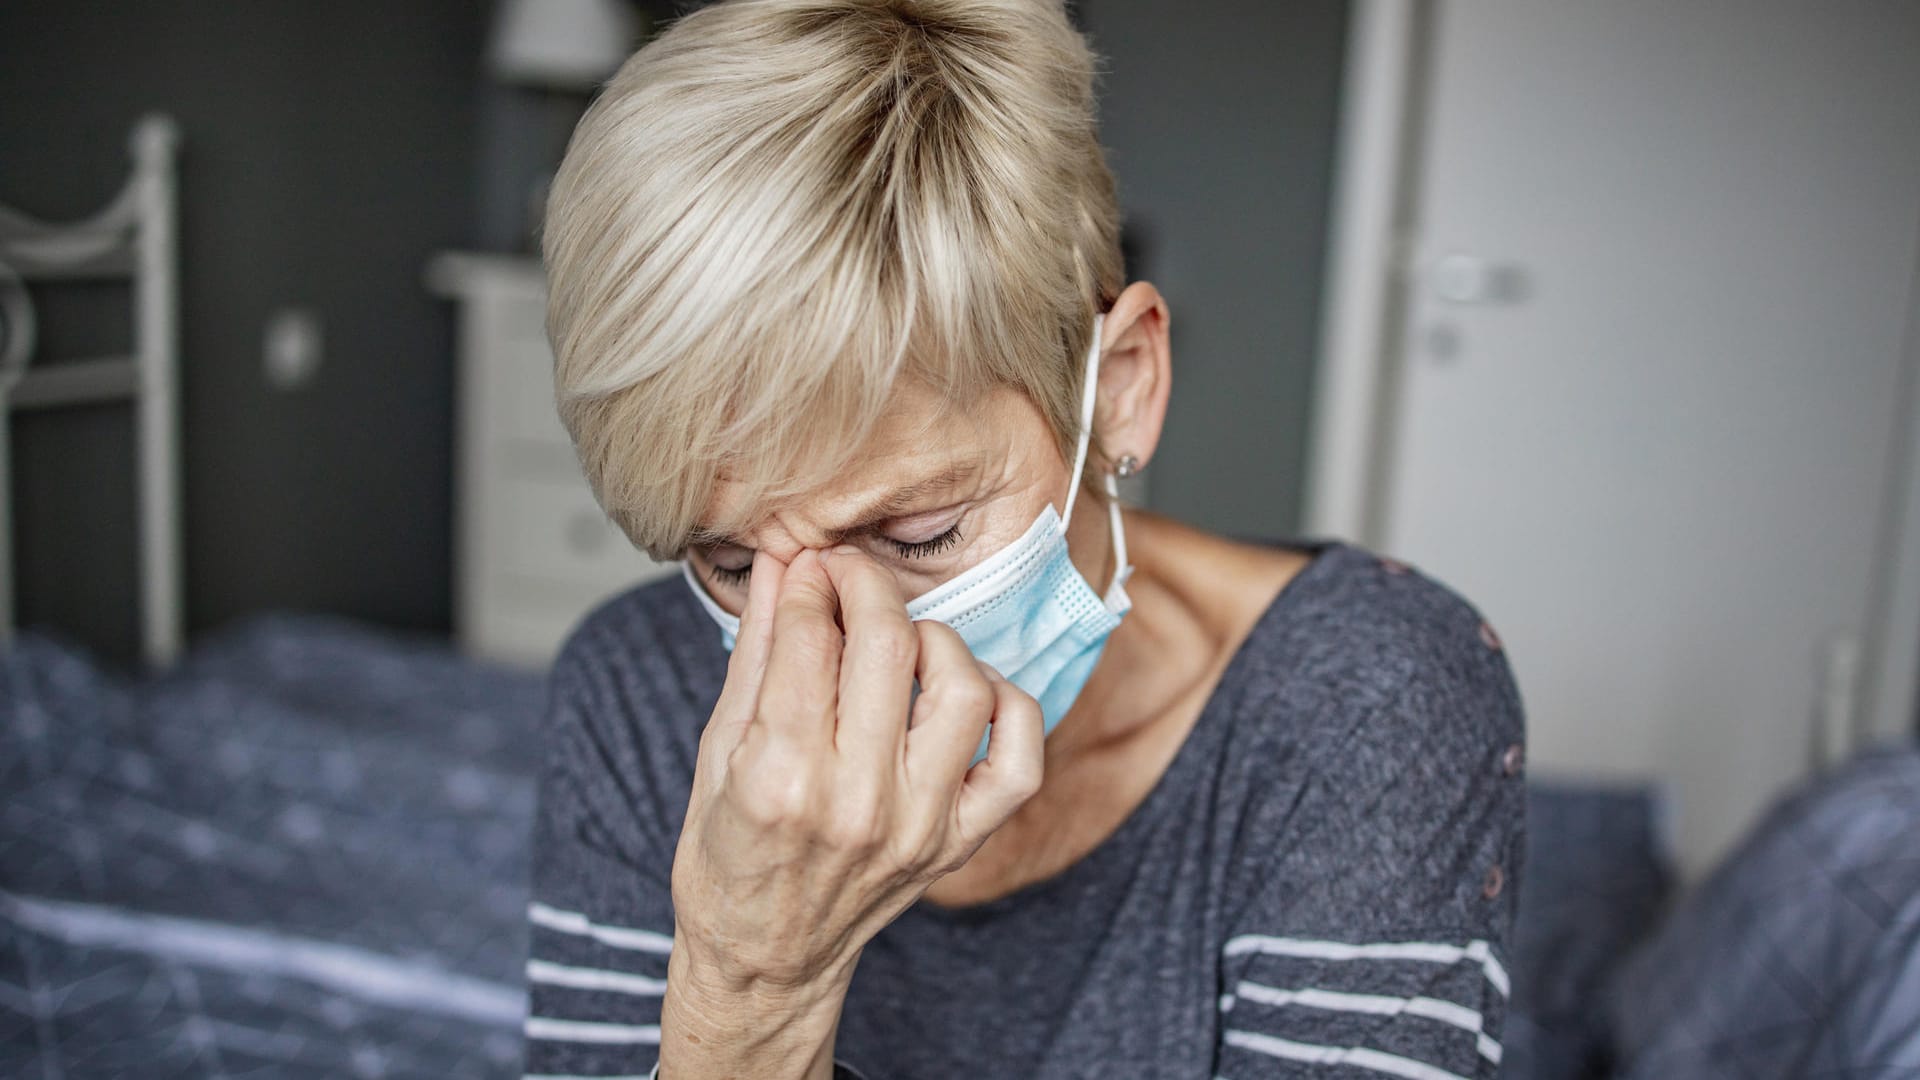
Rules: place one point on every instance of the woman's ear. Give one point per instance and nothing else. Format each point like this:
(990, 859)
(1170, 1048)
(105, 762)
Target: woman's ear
(1135, 374)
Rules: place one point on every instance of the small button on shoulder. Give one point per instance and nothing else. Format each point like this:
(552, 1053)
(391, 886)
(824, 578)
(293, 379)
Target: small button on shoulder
(1488, 638)
(1512, 759)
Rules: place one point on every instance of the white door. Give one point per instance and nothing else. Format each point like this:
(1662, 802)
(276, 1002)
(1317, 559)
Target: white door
(1650, 373)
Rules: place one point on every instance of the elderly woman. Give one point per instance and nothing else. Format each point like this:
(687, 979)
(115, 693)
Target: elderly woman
(980, 774)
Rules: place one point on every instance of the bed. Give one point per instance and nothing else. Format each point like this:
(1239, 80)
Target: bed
(299, 850)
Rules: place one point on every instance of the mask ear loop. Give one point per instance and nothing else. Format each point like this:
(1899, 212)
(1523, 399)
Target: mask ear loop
(1116, 598)
(1087, 396)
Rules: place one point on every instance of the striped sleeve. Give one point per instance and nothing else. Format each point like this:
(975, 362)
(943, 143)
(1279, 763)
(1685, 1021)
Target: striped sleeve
(600, 923)
(1423, 1007)
(1374, 946)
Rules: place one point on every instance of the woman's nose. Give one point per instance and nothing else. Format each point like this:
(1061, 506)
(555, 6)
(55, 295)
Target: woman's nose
(784, 541)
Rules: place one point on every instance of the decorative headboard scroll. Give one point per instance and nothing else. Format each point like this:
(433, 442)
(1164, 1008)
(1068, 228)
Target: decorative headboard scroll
(132, 239)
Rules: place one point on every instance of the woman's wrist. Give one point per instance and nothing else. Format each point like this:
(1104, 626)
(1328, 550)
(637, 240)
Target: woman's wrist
(714, 1024)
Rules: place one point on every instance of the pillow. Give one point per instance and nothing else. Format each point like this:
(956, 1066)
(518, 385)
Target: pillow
(1799, 956)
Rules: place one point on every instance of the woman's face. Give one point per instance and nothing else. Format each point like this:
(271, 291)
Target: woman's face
(934, 491)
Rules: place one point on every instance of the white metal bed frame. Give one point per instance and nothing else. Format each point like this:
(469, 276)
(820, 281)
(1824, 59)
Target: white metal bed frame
(132, 239)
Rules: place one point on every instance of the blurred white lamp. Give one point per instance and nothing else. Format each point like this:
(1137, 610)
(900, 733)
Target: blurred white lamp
(561, 44)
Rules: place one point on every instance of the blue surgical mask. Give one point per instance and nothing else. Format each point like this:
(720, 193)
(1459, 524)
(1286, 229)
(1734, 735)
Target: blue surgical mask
(1026, 610)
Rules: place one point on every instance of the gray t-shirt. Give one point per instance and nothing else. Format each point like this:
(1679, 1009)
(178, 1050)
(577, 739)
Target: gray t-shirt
(1321, 884)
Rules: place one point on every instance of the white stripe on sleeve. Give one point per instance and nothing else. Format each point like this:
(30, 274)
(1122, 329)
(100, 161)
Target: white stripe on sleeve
(619, 937)
(579, 978)
(1444, 1011)
(1477, 951)
(588, 1031)
(1359, 1057)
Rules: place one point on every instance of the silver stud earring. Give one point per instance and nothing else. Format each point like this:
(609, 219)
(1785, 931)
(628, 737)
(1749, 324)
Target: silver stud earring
(1126, 466)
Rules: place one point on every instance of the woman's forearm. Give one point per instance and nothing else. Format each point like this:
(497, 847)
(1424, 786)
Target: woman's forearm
(710, 1030)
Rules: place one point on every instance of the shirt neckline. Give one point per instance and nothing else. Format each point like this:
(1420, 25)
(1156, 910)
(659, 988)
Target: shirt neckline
(1174, 779)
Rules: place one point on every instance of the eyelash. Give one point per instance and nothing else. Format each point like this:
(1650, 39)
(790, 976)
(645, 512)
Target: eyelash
(730, 578)
(733, 578)
(928, 547)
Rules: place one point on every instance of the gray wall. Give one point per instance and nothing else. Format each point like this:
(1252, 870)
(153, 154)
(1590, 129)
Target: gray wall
(1220, 118)
(331, 148)
(328, 151)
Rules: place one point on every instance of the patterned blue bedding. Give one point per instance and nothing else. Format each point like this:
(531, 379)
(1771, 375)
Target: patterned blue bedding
(301, 853)
(1800, 956)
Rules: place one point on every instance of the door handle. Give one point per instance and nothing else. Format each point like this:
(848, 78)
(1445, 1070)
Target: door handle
(1460, 278)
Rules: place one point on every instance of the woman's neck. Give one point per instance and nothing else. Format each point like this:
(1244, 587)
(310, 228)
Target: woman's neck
(1195, 599)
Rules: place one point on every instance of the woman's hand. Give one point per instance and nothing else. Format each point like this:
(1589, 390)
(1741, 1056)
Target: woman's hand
(820, 811)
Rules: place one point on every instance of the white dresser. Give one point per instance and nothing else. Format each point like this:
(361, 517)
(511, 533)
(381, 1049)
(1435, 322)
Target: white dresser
(532, 550)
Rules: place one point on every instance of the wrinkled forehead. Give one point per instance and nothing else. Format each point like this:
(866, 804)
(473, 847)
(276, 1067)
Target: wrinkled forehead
(925, 442)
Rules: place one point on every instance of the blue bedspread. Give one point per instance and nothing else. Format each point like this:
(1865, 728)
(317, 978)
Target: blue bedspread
(1800, 956)
(301, 853)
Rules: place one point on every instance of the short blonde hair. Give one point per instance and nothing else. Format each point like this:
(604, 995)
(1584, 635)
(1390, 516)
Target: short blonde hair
(779, 208)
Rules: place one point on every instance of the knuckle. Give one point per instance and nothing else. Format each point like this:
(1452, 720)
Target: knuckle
(941, 699)
(890, 645)
(1025, 782)
(804, 594)
(745, 755)
(772, 798)
(815, 648)
(933, 633)
(1019, 705)
(814, 639)
(973, 696)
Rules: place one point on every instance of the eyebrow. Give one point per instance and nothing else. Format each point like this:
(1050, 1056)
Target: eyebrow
(895, 503)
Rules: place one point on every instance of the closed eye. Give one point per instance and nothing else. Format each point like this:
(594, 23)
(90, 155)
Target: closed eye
(931, 546)
(729, 578)
(736, 577)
